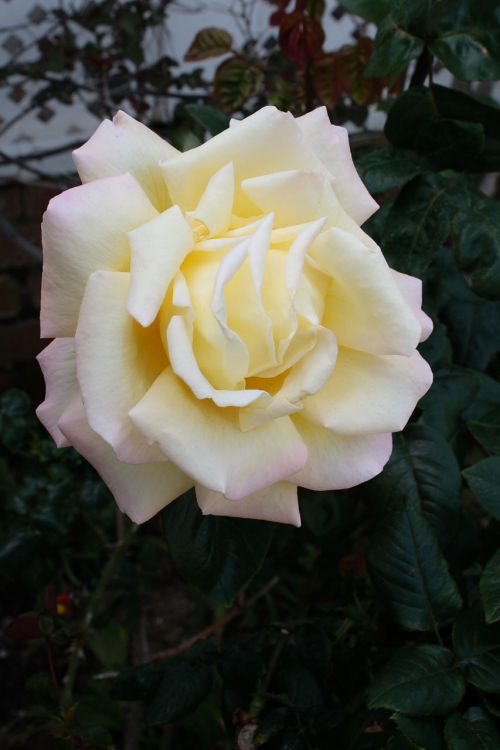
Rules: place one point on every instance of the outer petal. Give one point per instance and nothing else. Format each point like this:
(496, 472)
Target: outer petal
(158, 249)
(267, 141)
(368, 394)
(85, 229)
(336, 462)
(207, 441)
(365, 308)
(117, 361)
(411, 289)
(126, 145)
(331, 144)
(140, 491)
(276, 503)
(58, 365)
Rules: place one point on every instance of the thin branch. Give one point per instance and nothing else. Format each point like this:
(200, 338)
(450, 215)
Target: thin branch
(8, 231)
(215, 626)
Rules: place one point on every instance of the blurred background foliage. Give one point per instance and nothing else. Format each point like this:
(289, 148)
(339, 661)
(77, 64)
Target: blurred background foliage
(376, 625)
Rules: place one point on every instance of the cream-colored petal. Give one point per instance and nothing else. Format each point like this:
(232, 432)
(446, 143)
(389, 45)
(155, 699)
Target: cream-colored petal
(140, 491)
(117, 361)
(158, 250)
(206, 441)
(267, 141)
(331, 144)
(215, 206)
(58, 365)
(337, 462)
(308, 376)
(364, 307)
(369, 393)
(277, 503)
(85, 229)
(126, 145)
(411, 289)
(184, 364)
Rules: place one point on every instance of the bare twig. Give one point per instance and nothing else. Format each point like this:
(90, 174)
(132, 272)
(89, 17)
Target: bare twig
(215, 626)
(8, 231)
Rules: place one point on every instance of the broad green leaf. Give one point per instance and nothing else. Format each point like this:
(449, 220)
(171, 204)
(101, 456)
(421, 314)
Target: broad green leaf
(109, 644)
(489, 587)
(183, 687)
(422, 473)
(235, 82)
(452, 391)
(417, 225)
(486, 428)
(468, 39)
(209, 42)
(434, 120)
(476, 237)
(484, 480)
(472, 731)
(394, 49)
(418, 681)
(424, 733)
(209, 117)
(407, 566)
(477, 647)
(372, 10)
(386, 169)
(216, 554)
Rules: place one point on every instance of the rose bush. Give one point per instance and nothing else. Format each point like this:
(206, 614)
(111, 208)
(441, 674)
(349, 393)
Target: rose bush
(221, 320)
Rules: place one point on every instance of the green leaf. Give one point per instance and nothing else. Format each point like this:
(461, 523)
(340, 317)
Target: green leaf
(476, 236)
(218, 555)
(486, 429)
(424, 733)
(433, 121)
(472, 731)
(468, 39)
(406, 564)
(489, 587)
(372, 11)
(452, 392)
(209, 117)
(386, 169)
(484, 480)
(418, 681)
(394, 49)
(423, 473)
(109, 644)
(477, 646)
(417, 225)
(235, 82)
(183, 687)
(209, 42)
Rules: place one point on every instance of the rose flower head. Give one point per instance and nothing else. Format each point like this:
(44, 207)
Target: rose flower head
(220, 319)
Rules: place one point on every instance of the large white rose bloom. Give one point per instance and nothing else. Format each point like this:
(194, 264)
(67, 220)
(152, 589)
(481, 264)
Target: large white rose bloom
(221, 320)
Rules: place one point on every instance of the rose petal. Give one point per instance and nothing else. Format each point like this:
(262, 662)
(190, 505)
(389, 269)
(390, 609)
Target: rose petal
(277, 503)
(225, 459)
(140, 491)
(411, 289)
(331, 144)
(158, 250)
(85, 229)
(126, 145)
(364, 307)
(215, 206)
(267, 141)
(58, 365)
(337, 462)
(117, 361)
(369, 394)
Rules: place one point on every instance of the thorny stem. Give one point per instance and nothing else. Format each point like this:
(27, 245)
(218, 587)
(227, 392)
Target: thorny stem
(215, 626)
